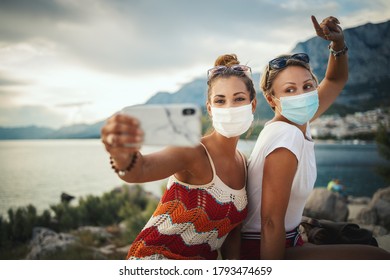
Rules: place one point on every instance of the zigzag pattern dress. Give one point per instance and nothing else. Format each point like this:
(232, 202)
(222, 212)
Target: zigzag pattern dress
(191, 221)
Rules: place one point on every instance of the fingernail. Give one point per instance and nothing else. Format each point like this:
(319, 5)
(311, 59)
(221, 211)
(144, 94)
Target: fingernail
(110, 139)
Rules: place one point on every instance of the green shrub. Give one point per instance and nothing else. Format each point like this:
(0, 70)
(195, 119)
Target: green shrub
(15, 232)
(21, 223)
(383, 143)
(129, 204)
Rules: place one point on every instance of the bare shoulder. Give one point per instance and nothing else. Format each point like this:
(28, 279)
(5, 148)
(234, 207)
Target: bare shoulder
(185, 155)
(195, 167)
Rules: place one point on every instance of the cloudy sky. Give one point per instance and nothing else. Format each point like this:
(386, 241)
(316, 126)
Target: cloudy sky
(68, 61)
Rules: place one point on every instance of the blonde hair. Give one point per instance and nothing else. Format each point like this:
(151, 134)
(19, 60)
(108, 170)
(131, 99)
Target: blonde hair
(269, 75)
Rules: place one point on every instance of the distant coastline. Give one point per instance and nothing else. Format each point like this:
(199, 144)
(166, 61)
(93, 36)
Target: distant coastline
(357, 127)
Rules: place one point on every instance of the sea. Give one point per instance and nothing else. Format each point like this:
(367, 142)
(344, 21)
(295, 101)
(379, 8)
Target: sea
(37, 171)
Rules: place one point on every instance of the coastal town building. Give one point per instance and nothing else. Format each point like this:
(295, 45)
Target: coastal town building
(350, 126)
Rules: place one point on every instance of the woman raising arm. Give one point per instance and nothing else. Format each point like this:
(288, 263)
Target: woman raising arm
(282, 167)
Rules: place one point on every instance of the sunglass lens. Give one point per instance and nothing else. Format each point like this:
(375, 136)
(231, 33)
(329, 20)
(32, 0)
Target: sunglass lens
(241, 68)
(219, 69)
(278, 63)
(301, 56)
(215, 70)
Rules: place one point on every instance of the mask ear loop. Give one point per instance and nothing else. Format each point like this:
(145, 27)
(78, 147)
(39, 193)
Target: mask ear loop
(276, 108)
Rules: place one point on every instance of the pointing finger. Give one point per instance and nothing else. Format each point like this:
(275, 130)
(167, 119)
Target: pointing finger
(316, 25)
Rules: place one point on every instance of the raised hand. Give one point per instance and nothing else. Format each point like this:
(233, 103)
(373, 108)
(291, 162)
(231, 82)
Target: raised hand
(329, 29)
(122, 137)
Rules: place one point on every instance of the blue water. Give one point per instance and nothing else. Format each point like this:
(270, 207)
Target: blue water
(353, 164)
(38, 171)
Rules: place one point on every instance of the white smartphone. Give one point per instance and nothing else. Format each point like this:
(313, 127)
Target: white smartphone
(168, 124)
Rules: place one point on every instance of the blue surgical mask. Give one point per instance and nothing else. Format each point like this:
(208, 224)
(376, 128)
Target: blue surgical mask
(300, 108)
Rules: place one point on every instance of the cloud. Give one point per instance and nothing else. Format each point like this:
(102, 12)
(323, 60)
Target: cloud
(10, 89)
(115, 52)
(7, 81)
(74, 104)
(7, 97)
(138, 37)
(23, 20)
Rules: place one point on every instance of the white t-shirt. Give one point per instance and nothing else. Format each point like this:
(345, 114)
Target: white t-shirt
(276, 135)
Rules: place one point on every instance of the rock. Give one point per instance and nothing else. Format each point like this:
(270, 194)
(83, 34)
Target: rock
(66, 197)
(113, 229)
(367, 216)
(382, 209)
(354, 210)
(377, 211)
(384, 242)
(324, 204)
(122, 226)
(99, 232)
(380, 203)
(107, 250)
(124, 250)
(46, 241)
(360, 200)
(383, 194)
(340, 212)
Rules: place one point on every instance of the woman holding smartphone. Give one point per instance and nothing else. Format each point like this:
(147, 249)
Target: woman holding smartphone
(205, 201)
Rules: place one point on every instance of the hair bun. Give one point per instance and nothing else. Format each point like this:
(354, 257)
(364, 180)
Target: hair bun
(226, 60)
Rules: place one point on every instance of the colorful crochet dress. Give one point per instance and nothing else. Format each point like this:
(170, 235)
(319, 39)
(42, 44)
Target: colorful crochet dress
(191, 221)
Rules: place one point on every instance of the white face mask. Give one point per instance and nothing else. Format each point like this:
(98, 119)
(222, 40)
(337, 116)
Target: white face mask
(232, 121)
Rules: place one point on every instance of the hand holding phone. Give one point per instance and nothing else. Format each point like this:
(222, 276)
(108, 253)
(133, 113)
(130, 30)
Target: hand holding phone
(168, 124)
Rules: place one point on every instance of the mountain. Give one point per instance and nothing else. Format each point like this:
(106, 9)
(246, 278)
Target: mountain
(196, 92)
(29, 132)
(193, 92)
(77, 131)
(368, 86)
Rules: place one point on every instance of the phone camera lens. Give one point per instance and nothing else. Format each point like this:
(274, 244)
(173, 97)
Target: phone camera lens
(188, 111)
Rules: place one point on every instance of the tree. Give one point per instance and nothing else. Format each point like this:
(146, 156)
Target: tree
(383, 143)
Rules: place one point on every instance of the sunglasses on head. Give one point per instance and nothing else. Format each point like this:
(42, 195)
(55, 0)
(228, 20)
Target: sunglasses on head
(219, 69)
(281, 62)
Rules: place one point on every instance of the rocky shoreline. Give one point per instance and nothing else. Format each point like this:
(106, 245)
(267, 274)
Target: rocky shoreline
(368, 213)
(372, 214)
